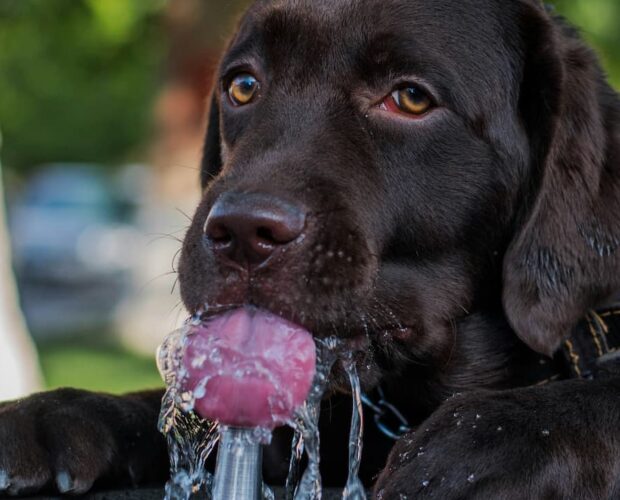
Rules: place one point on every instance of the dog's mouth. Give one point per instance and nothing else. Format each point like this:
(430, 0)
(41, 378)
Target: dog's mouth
(367, 344)
(255, 367)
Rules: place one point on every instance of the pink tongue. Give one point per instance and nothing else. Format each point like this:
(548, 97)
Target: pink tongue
(258, 368)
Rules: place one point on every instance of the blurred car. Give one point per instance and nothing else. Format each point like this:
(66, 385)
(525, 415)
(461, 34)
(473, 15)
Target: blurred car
(72, 244)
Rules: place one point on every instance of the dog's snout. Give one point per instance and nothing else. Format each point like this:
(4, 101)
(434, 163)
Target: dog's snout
(248, 228)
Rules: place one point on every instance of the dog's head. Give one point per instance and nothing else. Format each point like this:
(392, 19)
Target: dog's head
(380, 169)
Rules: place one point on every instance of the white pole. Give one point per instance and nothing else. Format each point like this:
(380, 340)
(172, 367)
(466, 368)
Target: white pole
(19, 367)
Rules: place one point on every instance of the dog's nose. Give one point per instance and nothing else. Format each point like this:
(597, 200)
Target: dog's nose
(248, 228)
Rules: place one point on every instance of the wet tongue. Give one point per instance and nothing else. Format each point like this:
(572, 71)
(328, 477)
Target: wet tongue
(256, 368)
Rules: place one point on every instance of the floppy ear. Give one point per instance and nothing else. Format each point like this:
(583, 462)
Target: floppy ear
(564, 258)
(212, 152)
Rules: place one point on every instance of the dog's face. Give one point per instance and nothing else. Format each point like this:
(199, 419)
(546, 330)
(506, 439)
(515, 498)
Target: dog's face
(366, 165)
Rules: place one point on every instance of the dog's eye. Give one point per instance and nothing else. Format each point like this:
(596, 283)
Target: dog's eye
(408, 99)
(242, 89)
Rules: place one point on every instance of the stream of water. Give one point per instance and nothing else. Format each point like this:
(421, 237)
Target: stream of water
(306, 425)
(191, 439)
(354, 489)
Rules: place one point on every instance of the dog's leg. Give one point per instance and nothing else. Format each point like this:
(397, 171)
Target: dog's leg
(66, 440)
(555, 441)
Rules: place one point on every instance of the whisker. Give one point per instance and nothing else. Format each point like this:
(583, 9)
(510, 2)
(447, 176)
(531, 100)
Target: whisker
(149, 282)
(174, 257)
(184, 214)
(164, 236)
(186, 167)
(176, 281)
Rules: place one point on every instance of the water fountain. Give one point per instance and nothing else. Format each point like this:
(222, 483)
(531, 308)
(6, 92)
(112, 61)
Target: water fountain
(249, 371)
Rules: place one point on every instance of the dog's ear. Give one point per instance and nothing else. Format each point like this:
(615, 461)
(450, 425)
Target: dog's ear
(212, 152)
(565, 256)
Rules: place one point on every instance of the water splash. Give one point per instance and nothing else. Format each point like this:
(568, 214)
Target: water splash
(268, 493)
(190, 442)
(354, 489)
(294, 470)
(307, 421)
(190, 439)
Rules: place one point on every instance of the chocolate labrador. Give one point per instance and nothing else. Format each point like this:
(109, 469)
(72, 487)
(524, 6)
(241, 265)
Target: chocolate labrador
(438, 183)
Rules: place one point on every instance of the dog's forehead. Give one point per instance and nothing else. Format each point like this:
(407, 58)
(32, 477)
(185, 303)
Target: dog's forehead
(342, 18)
(472, 34)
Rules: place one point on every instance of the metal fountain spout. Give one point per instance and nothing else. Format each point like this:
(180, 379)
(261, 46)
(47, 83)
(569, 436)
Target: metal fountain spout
(238, 474)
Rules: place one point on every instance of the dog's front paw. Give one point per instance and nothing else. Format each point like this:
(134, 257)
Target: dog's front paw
(66, 440)
(510, 445)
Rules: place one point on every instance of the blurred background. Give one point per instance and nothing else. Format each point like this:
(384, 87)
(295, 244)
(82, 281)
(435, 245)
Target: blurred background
(101, 120)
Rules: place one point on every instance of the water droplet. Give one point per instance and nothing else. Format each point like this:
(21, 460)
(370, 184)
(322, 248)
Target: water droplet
(4, 480)
(199, 361)
(455, 415)
(471, 478)
(200, 391)
(545, 432)
(500, 429)
(425, 483)
(215, 355)
(268, 493)
(478, 417)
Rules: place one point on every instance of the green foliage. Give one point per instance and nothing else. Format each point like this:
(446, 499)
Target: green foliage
(77, 78)
(599, 22)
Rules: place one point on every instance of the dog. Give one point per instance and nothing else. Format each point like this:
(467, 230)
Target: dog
(438, 184)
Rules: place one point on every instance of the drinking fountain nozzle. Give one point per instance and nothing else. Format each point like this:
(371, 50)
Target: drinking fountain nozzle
(238, 473)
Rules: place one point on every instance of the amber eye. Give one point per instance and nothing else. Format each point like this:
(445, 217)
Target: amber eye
(242, 89)
(411, 100)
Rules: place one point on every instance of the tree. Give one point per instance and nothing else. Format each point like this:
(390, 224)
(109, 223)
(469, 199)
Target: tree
(76, 78)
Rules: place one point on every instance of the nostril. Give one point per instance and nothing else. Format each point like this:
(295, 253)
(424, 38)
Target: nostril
(266, 234)
(218, 233)
(282, 229)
